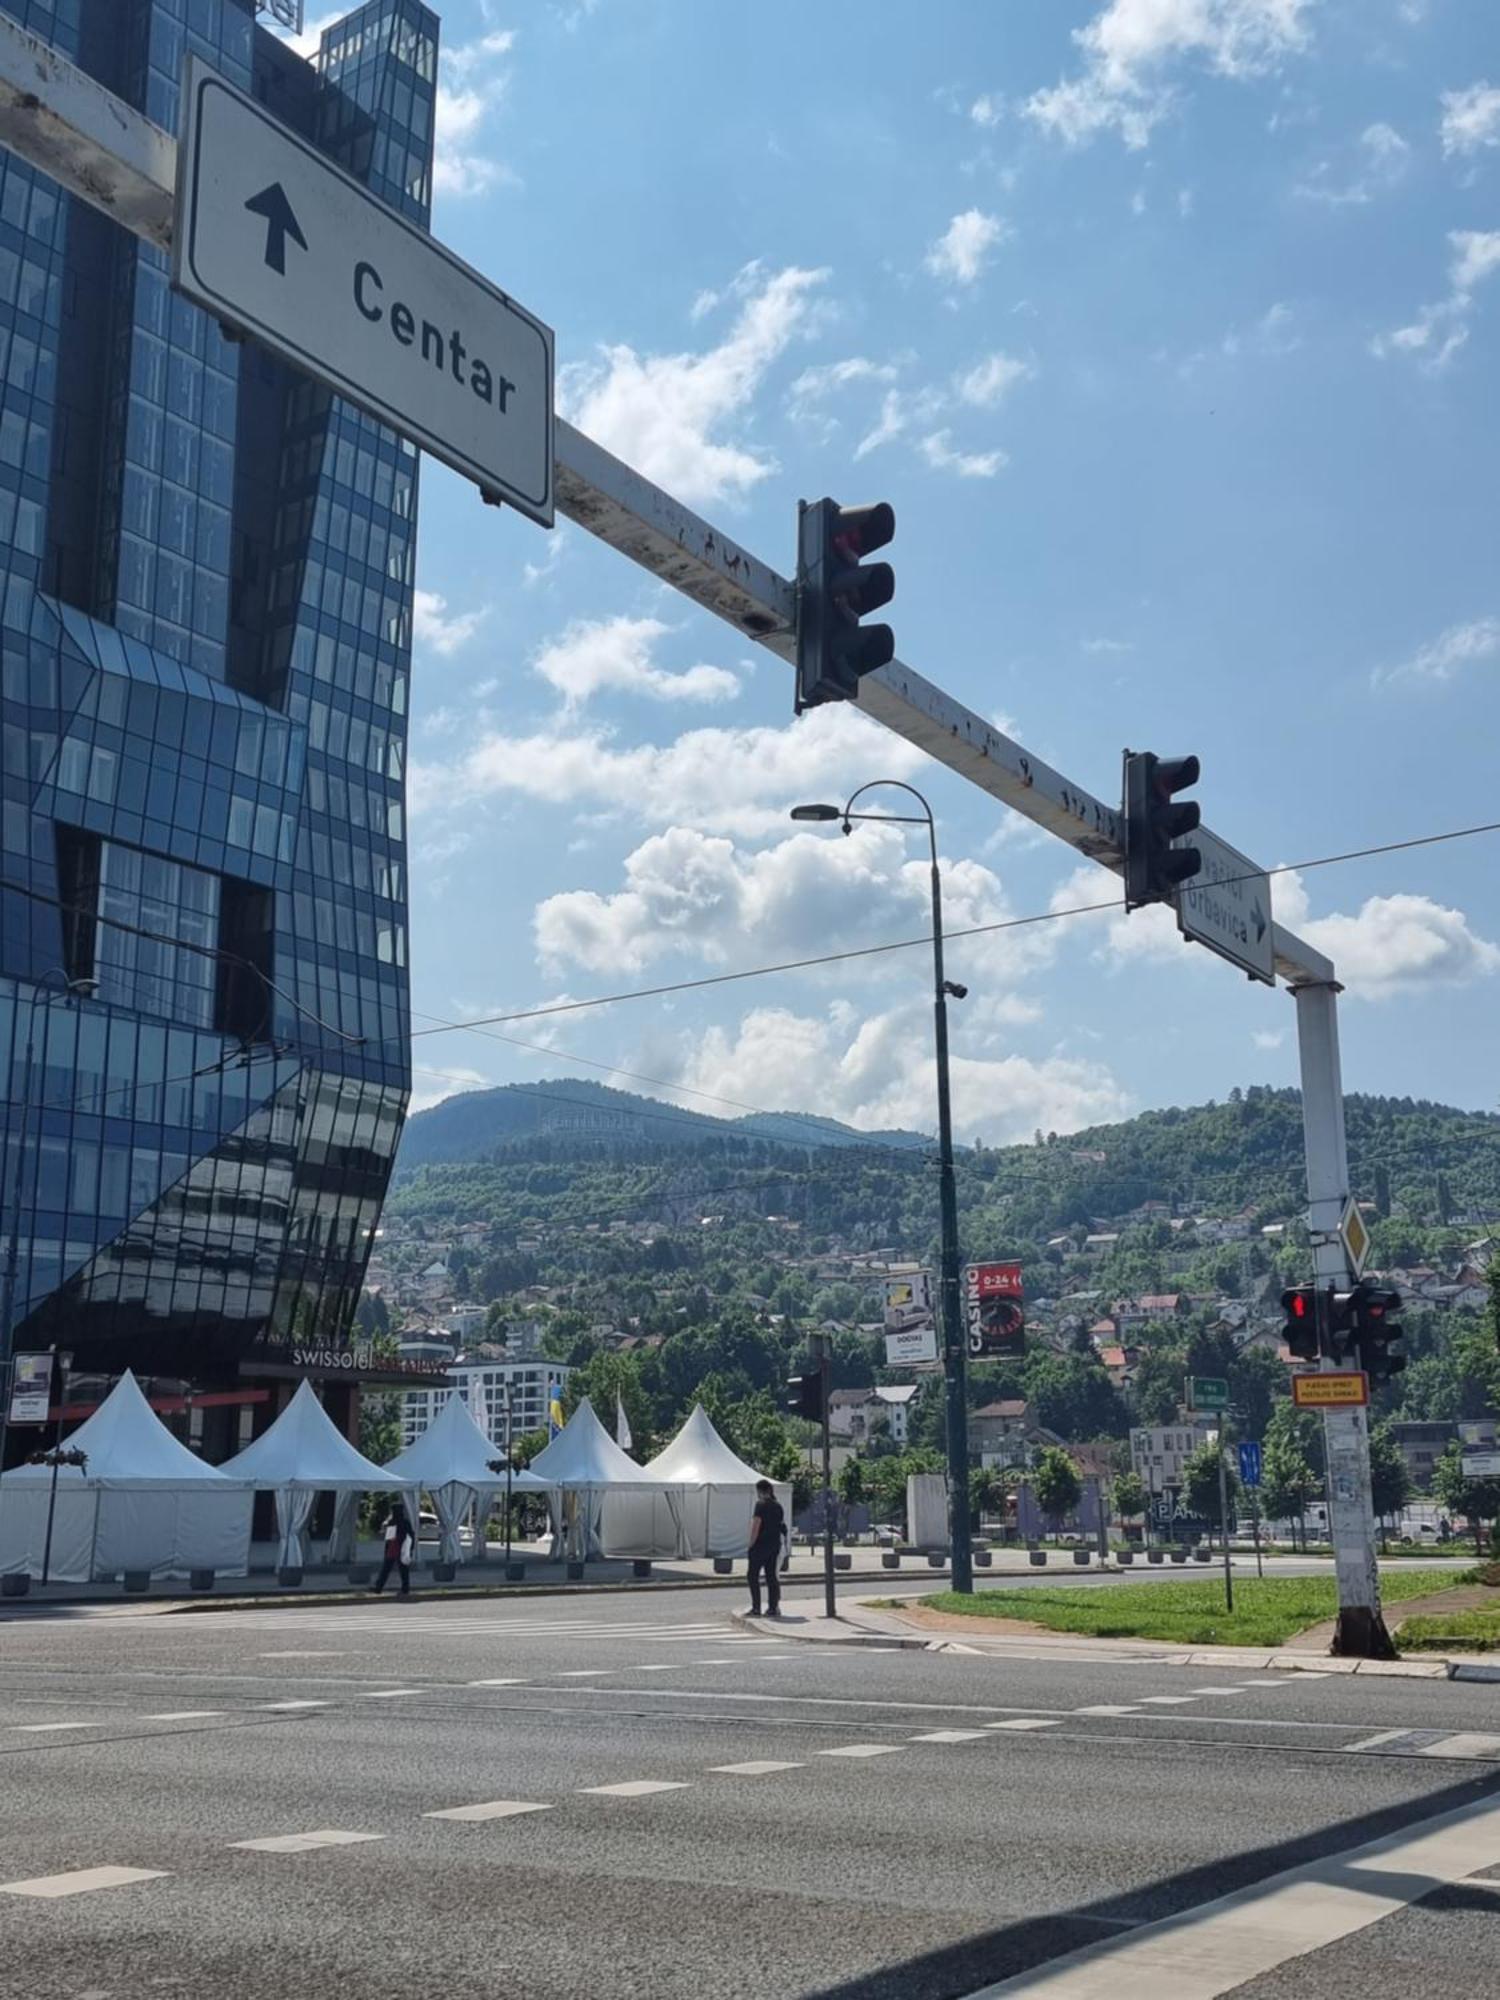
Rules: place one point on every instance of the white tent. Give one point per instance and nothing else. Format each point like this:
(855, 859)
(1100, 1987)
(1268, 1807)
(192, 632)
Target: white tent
(451, 1460)
(607, 1505)
(142, 1502)
(302, 1455)
(718, 1488)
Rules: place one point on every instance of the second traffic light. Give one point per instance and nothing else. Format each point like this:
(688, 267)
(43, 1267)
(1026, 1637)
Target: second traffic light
(805, 1396)
(1155, 819)
(1300, 1304)
(1375, 1330)
(835, 588)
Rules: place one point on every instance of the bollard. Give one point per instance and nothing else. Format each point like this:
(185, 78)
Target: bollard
(201, 1579)
(723, 1565)
(889, 1559)
(640, 1567)
(515, 1572)
(575, 1572)
(1126, 1557)
(444, 1572)
(1157, 1556)
(936, 1561)
(1037, 1558)
(136, 1581)
(1081, 1557)
(15, 1586)
(1179, 1557)
(1202, 1555)
(984, 1558)
(289, 1579)
(842, 1561)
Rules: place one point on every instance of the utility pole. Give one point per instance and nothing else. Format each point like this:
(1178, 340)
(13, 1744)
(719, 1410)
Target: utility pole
(1224, 1516)
(1360, 1630)
(825, 1373)
(955, 1338)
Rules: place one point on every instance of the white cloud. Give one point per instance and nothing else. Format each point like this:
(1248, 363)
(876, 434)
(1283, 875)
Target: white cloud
(1273, 334)
(471, 84)
(1444, 658)
(895, 415)
(1128, 49)
(1393, 945)
(444, 631)
(1382, 161)
(1439, 331)
(989, 381)
(616, 653)
(1268, 1038)
(878, 1073)
(959, 254)
(938, 450)
(741, 781)
(665, 413)
(986, 111)
(1141, 934)
(1471, 118)
(814, 386)
(431, 1086)
(1108, 645)
(686, 892)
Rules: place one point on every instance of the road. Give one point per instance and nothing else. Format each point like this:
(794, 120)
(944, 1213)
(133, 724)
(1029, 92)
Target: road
(589, 1797)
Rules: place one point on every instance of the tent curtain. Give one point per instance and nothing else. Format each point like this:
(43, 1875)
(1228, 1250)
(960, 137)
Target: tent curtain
(345, 1520)
(294, 1507)
(479, 1541)
(450, 1503)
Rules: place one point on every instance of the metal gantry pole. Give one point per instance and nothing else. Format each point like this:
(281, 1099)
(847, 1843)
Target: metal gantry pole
(955, 1352)
(825, 1372)
(1360, 1628)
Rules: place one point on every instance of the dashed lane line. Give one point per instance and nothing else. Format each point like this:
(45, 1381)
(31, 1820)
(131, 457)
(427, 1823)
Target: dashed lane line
(953, 1736)
(79, 1881)
(284, 1707)
(491, 1809)
(48, 1728)
(185, 1715)
(862, 1750)
(1166, 1700)
(758, 1767)
(305, 1843)
(1109, 1708)
(1026, 1722)
(638, 1788)
(389, 1694)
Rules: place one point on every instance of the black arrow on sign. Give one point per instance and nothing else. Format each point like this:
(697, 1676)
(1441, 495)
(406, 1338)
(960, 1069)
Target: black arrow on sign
(272, 203)
(1259, 916)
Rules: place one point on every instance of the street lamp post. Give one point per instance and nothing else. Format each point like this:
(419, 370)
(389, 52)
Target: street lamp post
(954, 1339)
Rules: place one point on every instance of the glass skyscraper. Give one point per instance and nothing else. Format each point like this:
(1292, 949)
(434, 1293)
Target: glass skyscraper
(205, 633)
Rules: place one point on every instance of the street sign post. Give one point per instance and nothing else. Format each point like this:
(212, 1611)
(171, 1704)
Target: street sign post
(1338, 1389)
(1249, 1462)
(1207, 1392)
(1227, 906)
(31, 1389)
(1481, 1464)
(275, 239)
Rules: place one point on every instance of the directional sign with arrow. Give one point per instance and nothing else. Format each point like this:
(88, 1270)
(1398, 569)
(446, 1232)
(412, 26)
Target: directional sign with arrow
(272, 203)
(1227, 906)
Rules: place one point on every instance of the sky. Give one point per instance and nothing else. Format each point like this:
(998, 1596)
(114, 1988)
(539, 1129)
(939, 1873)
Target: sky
(1170, 330)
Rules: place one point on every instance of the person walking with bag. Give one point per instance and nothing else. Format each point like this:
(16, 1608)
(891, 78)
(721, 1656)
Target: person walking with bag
(766, 1531)
(399, 1546)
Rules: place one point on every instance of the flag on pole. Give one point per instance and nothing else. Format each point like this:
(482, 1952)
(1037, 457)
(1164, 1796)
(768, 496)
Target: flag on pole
(622, 1425)
(554, 1409)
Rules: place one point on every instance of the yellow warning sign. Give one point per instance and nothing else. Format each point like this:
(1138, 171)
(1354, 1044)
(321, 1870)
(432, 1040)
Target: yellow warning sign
(1345, 1390)
(1356, 1237)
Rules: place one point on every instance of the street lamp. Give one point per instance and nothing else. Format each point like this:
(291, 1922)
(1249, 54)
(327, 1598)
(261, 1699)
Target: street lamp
(954, 1339)
(69, 988)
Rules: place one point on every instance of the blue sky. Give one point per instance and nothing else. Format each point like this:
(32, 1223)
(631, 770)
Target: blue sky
(1170, 330)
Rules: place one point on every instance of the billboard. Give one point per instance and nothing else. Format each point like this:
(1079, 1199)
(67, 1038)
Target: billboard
(908, 1300)
(911, 1346)
(993, 1311)
(31, 1389)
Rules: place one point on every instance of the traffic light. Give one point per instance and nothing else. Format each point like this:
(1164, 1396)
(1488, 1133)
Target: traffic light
(1154, 868)
(805, 1396)
(835, 589)
(1343, 1323)
(1375, 1328)
(1300, 1304)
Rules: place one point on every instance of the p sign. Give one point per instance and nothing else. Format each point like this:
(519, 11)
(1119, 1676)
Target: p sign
(1249, 1462)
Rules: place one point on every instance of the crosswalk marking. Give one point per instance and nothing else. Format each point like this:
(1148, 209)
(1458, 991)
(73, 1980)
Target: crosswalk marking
(952, 1736)
(1465, 1745)
(758, 1767)
(863, 1750)
(78, 1881)
(304, 1843)
(637, 1788)
(493, 1809)
(1025, 1722)
(1166, 1700)
(1108, 1708)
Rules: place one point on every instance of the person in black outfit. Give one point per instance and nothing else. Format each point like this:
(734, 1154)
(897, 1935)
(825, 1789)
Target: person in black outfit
(399, 1543)
(767, 1529)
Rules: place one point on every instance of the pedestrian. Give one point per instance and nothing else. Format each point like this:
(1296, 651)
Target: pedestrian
(767, 1529)
(399, 1544)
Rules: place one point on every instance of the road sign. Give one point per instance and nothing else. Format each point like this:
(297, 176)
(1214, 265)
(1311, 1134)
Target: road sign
(1227, 906)
(1207, 1392)
(1481, 1464)
(31, 1389)
(914, 1344)
(1355, 1236)
(274, 238)
(1249, 1462)
(1339, 1390)
(993, 1312)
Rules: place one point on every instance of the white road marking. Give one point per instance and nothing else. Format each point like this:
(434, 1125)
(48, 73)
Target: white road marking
(389, 1694)
(757, 1768)
(282, 1705)
(1107, 1708)
(952, 1736)
(78, 1881)
(1166, 1700)
(45, 1728)
(636, 1788)
(1024, 1722)
(496, 1684)
(1462, 1745)
(495, 1809)
(1220, 1946)
(655, 1667)
(863, 1750)
(583, 1673)
(1383, 1736)
(711, 1663)
(304, 1843)
(302, 1656)
(183, 1715)
(1237, 1689)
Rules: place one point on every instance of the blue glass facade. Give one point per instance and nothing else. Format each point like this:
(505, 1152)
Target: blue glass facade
(205, 630)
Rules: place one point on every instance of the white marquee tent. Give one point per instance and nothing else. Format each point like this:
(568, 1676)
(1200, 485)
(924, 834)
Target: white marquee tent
(718, 1488)
(451, 1461)
(143, 1501)
(302, 1455)
(607, 1505)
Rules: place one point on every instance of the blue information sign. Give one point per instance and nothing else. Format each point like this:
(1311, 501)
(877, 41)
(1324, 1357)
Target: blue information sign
(1250, 1462)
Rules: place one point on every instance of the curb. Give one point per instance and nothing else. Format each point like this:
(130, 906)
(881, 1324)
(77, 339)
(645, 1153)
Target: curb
(857, 1636)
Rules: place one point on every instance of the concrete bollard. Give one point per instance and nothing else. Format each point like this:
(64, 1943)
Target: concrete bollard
(984, 1558)
(136, 1581)
(1037, 1558)
(723, 1565)
(515, 1572)
(575, 1572)
(936, 1561)
(889, 1559)
(1126, 1556)
(1157, 1556)
(841, 1561)
(1081, 1557)
(640, 1567)
(200, 1579)
(1178, 1557)
(444, 1572)
(14, 1586)
(1201, 1555)
(289, 1579)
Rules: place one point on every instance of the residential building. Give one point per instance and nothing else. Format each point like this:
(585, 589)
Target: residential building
(484, 1386)
(992, 1423)
(207, 567)
(1159, 1452)
(1421, 1445)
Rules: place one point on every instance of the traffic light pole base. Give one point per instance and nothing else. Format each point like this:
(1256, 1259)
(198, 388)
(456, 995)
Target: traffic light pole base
(1359, 1634)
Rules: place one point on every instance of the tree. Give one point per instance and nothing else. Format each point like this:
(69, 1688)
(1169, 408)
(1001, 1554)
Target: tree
(1287, 1481)
(850, 1482)
(1200, 1482)
(1478, 1500)
(1130, 1496)
(380, 1426)
(1390, 1481)
(1055, 1482)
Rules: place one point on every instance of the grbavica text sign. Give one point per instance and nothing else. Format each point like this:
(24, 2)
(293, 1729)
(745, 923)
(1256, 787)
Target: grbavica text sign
(274, 238)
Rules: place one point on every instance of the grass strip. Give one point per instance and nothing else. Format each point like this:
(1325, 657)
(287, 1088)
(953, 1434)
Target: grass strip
(1265, 1613)
(1475, 1631)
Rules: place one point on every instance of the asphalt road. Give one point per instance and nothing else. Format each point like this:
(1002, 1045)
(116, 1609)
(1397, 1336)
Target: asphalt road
(795, 1820)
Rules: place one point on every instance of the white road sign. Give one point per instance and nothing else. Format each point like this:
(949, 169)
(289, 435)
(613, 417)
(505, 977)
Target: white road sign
(274, 238)
(1227, 906)
(909, 1348)
(1481, 1464)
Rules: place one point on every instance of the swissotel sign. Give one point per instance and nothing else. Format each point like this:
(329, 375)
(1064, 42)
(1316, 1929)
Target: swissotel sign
(274, 238)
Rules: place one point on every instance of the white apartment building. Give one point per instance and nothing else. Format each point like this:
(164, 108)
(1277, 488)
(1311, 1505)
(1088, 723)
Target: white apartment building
(483, 1386)
(1159, 1453)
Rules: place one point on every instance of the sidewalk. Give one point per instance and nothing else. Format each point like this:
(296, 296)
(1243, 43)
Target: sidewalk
(861, 1624)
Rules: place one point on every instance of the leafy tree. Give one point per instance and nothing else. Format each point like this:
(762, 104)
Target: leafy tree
(606, 1378)
(850, 1482)
(1287, 1480)
(1478, 1500)
(1200, 1482)
(524, 1448)
(1389, 1478)
(1130, 1496)
(1055, 1482)
(380, 1426)
(1157, 1393)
